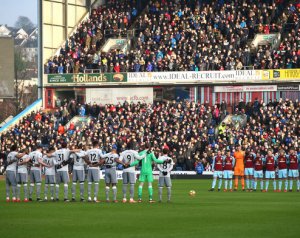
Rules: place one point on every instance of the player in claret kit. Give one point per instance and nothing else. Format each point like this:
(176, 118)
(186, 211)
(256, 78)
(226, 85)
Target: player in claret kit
(249, 170)
(281, 161)
(258, 171)
(217, 169)
(36, 158)
(270, 171)
(229, 163)
(293, 161)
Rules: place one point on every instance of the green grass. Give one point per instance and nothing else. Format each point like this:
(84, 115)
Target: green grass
(208, 214)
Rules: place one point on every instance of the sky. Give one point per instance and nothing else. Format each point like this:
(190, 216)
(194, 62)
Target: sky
(10, 10)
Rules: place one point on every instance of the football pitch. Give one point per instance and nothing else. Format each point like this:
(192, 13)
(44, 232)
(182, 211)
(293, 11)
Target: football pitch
(208, 214)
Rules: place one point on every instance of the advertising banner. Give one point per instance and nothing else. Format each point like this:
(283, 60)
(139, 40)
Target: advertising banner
(281, 74)
(294, 87)
(255, 88)
(119, 95)
(86, 78)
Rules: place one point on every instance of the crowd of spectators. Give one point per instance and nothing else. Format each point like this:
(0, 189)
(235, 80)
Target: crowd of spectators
(181, 35)
(188, 129)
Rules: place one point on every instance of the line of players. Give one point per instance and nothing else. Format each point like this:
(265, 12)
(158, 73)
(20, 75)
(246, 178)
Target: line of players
(254, 167)
(56, 165)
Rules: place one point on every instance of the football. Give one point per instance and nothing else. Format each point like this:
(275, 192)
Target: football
(192, 193)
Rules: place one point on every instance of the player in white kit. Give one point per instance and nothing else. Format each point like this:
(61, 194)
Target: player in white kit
(49, 174)
(22, 175)
(110, 161)
(11, 170)
(35, 174)
(78, 174)
(93, 176)
(129, 177)
(164, 174)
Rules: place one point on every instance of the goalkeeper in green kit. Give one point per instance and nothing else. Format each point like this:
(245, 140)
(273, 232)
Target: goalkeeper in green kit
(146, 171)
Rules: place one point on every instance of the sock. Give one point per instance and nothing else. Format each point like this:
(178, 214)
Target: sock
(73, 190)
(298, 184)
(150, 190)
(14, 191)
(236, 182)
(66, 190)
(267, 184)
(38, 190)
(96, 191)
(214, 183)
(7, 190)
(52, 190)
(169, 193)
(261, 184)
(280, 184)
(107, 193)
(81, 186)
(247, 183)
(291, 184)
(25, 187)
(124, 190)
(89, 189)
(226, 183)
(114, 189)
(46, 190)
(131, 191)
(18, 191)
(230, 184)
(140, 192)
(57, 191)
(252, 182)
(274, 184)
(220, 183)
(286, 184)
(243, 183)
(31, 190)
(160, 190)
(255, 184)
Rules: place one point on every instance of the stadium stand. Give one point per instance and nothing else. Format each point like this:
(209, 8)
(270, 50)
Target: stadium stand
(185, 35)
(188, 129)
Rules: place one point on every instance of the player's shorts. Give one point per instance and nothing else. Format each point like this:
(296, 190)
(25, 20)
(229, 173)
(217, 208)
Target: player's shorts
(128, 177)
(282, 173)
(93, 176)
(239, 171)
(258, 174)
(11, 178)
(228, 174)
(22, 177)
(218, 174)
(50, 179)
(249, 171)
(293, 173)
(62, 177)
(35, 176)
(78, 175)
(270, 175)
(164, 181)
(146, 178)
(111, 176)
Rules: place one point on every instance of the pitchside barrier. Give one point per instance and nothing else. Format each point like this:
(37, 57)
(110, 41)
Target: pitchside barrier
(174, 174)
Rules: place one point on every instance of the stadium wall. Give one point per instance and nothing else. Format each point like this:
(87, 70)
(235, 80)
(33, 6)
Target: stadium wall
(33, 107)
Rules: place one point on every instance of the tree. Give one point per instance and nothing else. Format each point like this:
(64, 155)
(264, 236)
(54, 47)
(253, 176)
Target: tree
(25, 23)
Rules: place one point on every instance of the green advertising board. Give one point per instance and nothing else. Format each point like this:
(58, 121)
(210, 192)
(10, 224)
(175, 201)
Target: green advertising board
(86, 78)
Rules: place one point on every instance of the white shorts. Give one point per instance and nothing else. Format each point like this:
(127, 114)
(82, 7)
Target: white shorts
(293, 173)
(218, 174)
(249, 172)
(258, 174)
(228, 174)
(282, 173)
(270, 175)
